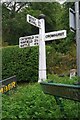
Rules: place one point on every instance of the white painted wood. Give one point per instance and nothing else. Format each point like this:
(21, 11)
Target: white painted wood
(40, 40)
(34, 21)
(42, 52)
(33, 40)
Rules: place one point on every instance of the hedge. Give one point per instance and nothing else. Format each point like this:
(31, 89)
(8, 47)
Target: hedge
(20, 62)
(23, 62)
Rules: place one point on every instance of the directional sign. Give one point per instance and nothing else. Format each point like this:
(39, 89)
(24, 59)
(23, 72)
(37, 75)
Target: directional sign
(72, 20)
(29, 41)
(34, 21)
(55, 35)
(33, 40)
(40, 39)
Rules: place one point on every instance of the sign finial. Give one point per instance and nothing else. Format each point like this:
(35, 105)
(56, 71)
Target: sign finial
(41, 16)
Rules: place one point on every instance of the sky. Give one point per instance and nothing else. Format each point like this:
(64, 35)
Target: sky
(60, 1)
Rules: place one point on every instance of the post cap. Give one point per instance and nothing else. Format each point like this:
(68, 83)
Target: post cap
(41, 16)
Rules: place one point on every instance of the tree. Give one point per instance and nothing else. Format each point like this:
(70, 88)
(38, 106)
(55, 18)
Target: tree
(14, 19)
(10, 21)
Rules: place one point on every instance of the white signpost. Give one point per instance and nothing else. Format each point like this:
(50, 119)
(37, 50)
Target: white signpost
(34, 21)
(40, 39)
(33, 40)
(55, 35)
(28, 41)
(42, 52)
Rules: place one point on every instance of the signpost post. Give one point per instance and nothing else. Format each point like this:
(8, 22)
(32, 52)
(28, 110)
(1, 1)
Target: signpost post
(40, 39)
(42, 51)
(78, 36)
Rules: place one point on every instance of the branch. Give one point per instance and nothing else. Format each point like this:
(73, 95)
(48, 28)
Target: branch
(22, 5)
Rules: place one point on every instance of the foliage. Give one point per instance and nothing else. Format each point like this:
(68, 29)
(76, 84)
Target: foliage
(63, 45)
(31, 103)
(11, 26)
(20, 62)
(42, 7)
(64, 79)
(60, 63)
(24, 62)
(14, 19)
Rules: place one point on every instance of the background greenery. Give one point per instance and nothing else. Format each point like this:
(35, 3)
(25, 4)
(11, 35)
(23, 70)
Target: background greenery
(14, 23)
(61, 54)
(24, 62)
(20, 62)
(28, 101)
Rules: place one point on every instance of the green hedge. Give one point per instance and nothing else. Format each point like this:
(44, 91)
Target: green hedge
(20, 62)
(24, 62)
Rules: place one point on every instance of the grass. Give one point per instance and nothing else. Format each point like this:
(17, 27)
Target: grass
(29, 102)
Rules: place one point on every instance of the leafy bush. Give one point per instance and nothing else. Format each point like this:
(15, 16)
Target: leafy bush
(61, 63)
(20, 62)
(24, 62)
(64, 79)
(29, 102)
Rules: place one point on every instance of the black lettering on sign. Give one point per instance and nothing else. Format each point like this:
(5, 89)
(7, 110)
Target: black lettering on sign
(32, 20)
(32, 37)
(30, 41)
(36, 42)
(39, 23)
(36, 36)
(60, 34)
(54, 35)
